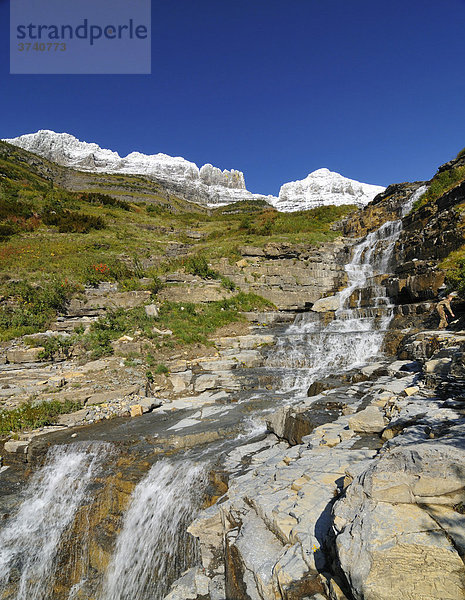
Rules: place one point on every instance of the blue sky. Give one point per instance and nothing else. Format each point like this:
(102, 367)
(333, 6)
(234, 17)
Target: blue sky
(374, 90)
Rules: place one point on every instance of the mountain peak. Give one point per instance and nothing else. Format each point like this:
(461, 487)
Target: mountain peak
(207, 185)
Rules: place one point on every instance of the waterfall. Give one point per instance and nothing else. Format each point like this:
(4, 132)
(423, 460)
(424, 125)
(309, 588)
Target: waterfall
(357, 332)
(30, 541)
(153, 547)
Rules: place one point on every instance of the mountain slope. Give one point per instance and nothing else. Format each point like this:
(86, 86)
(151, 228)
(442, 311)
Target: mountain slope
(324, 187)
(207, 185)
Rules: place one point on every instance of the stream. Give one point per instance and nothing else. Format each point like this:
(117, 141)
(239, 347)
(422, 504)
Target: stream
(106, 515)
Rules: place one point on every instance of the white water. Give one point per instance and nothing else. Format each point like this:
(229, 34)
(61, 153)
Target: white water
(153, 544)
(356, 334)
(30, 542)
(153, 547)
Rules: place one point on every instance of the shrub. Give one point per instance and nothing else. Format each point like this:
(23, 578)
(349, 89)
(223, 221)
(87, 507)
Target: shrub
(112, 270)
(440, 184)
(161, 369)
(7, 230)
(33, 415)
(69, 221)
(456, 278)
(461, 154)
(55, 346)
(227, 283)
(156, 285)
(30, 307)
(104, 200)
(198, 265)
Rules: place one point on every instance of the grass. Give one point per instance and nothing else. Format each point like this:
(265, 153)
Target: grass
(28, 308)
(30, 415)
(454, 265)
(47, 229)
(122, 228)
(190, 323)
(440, 184)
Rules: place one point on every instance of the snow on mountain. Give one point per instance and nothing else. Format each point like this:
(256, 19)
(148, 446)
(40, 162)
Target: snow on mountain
(324, 187)
(208, 185)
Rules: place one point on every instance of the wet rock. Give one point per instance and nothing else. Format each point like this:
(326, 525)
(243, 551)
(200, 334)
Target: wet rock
(193, 585)
(330, 303)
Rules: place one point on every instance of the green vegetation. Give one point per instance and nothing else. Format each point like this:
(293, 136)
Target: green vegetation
(190, 323)
(72, 221)
(461, 154)
(55, 346)
(440, 184)
(121, 228)
(455, 266)
(198, 265)
(28, 308)
(161, 369)
(32, 415)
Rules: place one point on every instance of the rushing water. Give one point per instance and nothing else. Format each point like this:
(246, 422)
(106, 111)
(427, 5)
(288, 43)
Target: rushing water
(30, 542)
(153, 548)
(309, 350)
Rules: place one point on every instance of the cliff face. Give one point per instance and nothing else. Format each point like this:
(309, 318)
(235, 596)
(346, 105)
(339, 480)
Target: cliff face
(208, 185)
(433, 230)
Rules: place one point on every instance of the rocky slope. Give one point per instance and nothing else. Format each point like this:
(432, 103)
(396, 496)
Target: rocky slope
(368, 505)
(207, 185)
(358, 491)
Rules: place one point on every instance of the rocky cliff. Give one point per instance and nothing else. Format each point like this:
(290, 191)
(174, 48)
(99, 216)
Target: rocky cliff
(207, 185)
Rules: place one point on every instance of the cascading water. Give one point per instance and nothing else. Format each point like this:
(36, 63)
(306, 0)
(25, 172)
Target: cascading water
(309, 350)
(153, 547)
(30, 542)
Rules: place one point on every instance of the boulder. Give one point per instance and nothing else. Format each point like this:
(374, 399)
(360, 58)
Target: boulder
(16, 447)
(24, 355)
(397, 551)
(181, 381)
(387, 544)
(326, 304)
(136, 410)
(151, 310)
(370, 420)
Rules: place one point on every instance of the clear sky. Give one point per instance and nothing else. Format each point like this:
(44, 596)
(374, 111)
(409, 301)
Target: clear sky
(372, 89)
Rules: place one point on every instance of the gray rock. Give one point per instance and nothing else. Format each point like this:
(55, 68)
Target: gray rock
(192, 585)
(326, 304)
(370, 420)
(24, 355)
(104, 397)
(387, 544)
(151, 310)
(16, 447)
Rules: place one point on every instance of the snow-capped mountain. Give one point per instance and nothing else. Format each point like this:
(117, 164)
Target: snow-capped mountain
(208, 185)
(324, 187)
